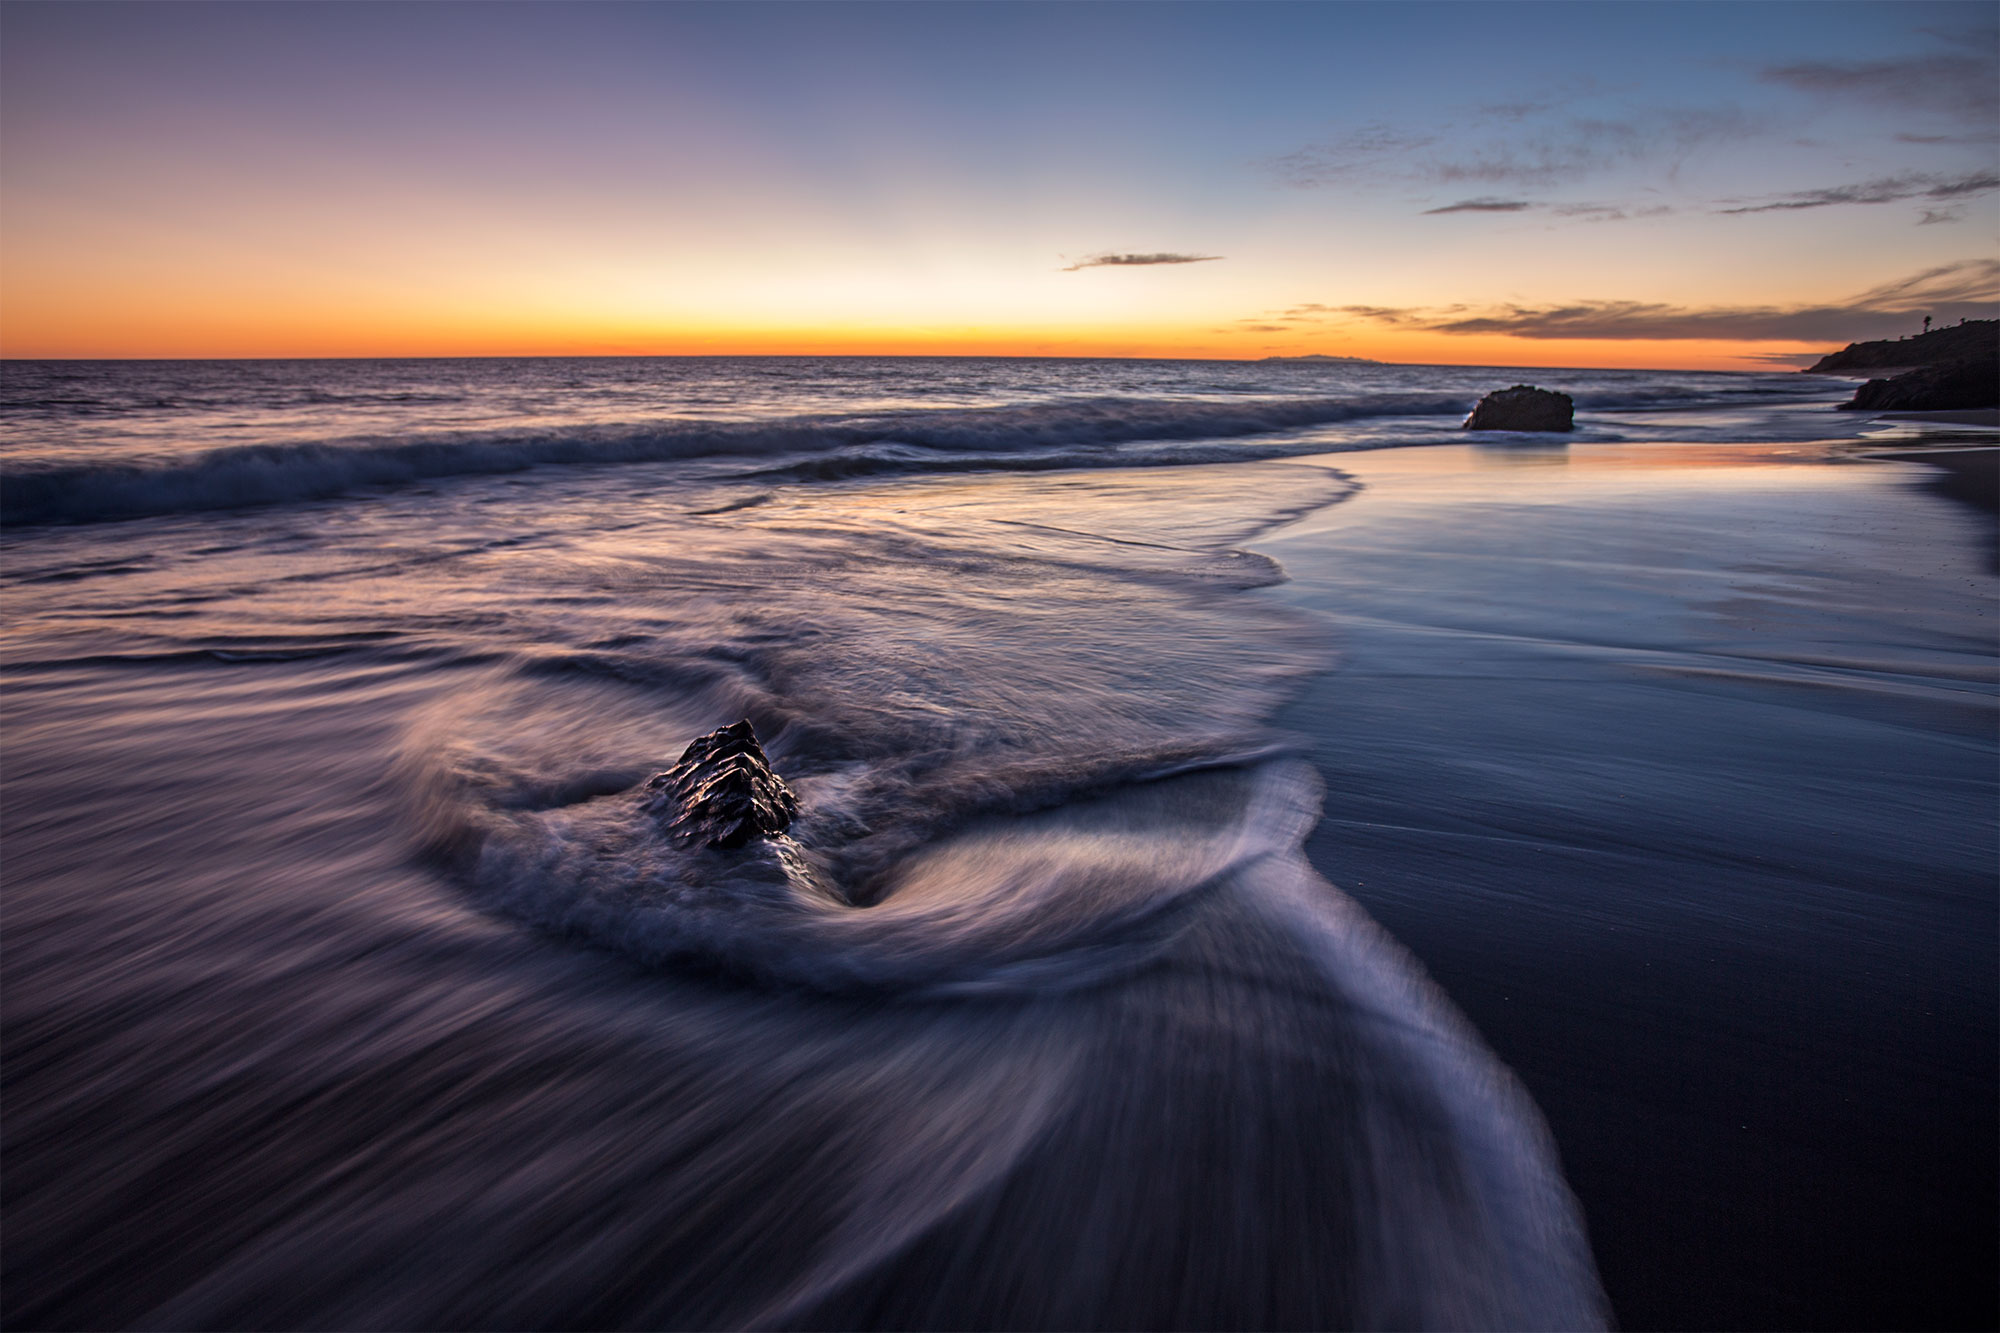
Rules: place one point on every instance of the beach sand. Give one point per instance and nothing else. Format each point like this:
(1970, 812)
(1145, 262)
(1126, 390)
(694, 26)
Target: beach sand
(1676, 766)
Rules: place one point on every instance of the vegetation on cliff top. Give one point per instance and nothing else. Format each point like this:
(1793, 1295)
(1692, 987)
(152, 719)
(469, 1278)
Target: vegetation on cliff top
(1960, 342)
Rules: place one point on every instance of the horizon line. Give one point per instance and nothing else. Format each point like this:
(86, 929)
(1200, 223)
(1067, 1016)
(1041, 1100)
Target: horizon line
(1333, 359)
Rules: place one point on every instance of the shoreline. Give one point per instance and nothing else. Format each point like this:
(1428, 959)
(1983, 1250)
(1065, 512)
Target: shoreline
(1674, 765)
(1971, 416)
(1972, 472)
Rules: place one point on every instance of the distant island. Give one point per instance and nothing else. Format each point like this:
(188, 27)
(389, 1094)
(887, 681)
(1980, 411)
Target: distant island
(1949, 369)
(1317, 356)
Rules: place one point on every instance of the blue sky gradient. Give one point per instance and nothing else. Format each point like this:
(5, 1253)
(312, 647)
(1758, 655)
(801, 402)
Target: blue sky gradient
(1646, 184)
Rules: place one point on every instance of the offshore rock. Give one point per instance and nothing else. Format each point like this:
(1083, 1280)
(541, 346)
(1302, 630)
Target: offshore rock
(1523, 407)
(722, 791)
(1974, 382)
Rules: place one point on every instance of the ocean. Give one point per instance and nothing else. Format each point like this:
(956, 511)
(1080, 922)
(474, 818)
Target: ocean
(349, 984)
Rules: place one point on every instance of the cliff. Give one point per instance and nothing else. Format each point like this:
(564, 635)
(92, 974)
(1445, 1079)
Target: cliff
(1971, 383)
(1961, 342)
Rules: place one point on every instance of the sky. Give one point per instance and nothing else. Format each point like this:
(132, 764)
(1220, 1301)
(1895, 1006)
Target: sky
(1732, 185)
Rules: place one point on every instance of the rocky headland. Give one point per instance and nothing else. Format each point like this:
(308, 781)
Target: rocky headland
(1949, 369)
(1960, 342)
(1954, 386)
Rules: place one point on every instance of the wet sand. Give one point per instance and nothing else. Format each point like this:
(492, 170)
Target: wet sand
(1972, 416)
(1676, 766)
(1970, 475)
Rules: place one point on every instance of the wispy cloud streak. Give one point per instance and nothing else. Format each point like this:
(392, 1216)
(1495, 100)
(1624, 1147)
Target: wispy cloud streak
(1138, 260)
(1482, 206)
(1966, 289)
(1884, 190)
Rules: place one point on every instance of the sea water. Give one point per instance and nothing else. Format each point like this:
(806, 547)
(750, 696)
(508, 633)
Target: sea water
(348, 984)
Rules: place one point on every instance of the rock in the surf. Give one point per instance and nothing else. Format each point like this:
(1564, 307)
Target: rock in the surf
(722, 791)
(1523, 407)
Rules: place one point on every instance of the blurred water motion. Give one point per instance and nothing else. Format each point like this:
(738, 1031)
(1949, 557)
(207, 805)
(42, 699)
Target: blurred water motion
(348, 985)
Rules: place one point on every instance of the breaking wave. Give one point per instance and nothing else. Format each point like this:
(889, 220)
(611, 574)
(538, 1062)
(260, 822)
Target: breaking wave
(1069, 434)
(92, 442)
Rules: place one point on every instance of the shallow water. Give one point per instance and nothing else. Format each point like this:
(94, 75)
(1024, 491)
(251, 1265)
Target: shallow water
(1677, 767)
(348, 985)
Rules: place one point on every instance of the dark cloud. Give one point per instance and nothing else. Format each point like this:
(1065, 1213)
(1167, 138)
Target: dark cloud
(1933, 216)
(1952, 140)
(1482, 206)
(1611, 212)
(1588, 212)
(1967, 289)
(1885, 190)
(1958, 84)
(1138, 261)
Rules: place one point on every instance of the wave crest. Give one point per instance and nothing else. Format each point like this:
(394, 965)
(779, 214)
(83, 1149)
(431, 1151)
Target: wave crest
(1078, 433)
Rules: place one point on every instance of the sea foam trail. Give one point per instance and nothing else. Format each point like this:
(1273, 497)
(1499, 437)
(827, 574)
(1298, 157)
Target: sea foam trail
(1419, 1194)
(338, 935)
(1261, 1116)
(1208, 1090)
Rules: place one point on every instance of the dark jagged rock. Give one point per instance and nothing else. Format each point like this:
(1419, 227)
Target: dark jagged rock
(1973, 340)
(722, 791)
(1523, 407)
(1951, 387)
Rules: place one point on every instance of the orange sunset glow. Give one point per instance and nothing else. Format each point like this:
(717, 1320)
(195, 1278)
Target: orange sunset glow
(246, 183)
